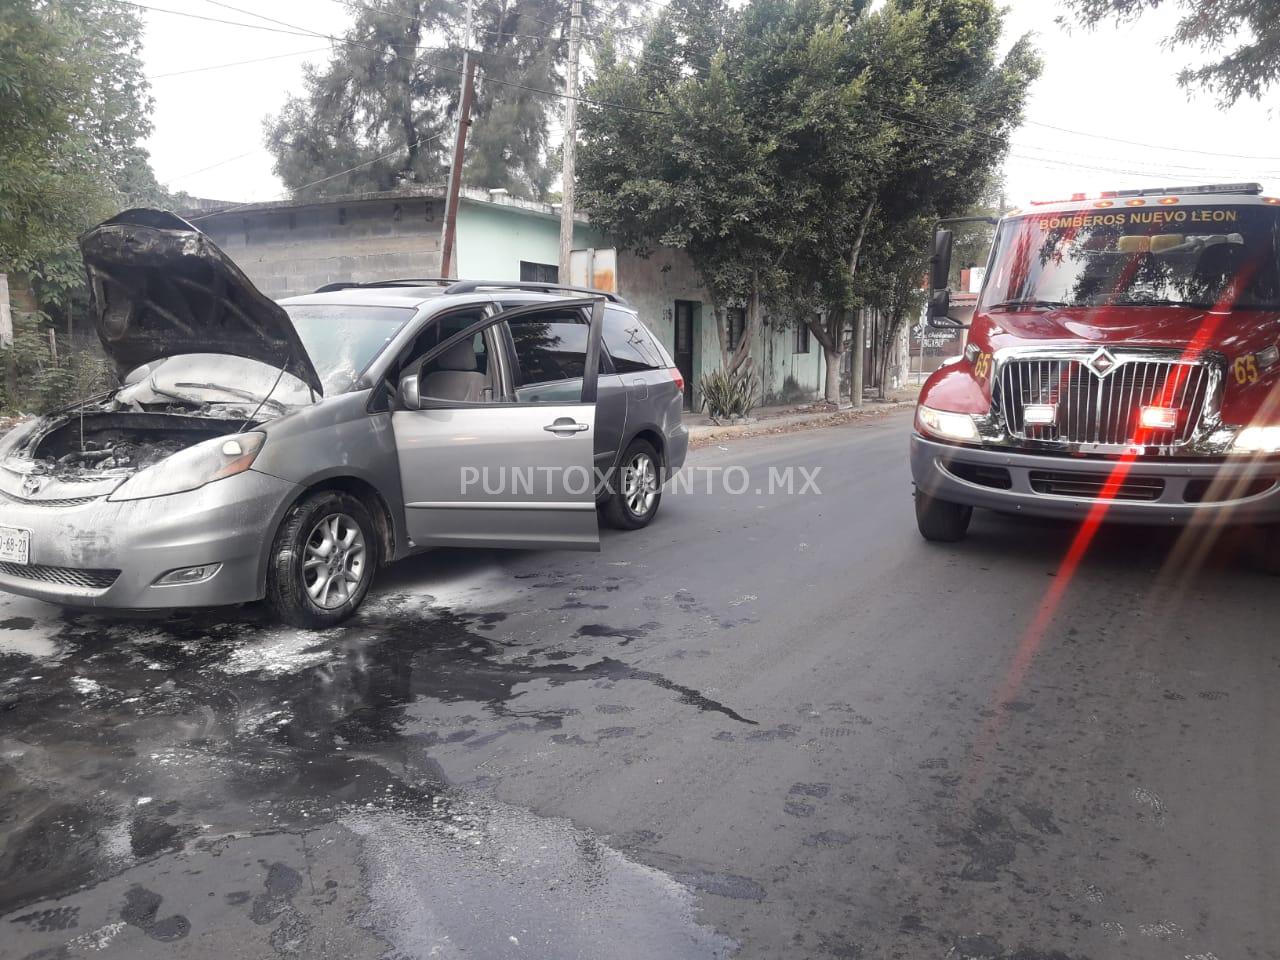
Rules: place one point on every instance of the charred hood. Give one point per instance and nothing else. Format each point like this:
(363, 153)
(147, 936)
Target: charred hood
(160, 288)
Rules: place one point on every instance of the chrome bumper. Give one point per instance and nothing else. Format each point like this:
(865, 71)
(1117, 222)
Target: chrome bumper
(104, 554)
(1171, 492)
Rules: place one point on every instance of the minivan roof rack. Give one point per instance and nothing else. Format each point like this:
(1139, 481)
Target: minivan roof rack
(401, 282)
(471, 286)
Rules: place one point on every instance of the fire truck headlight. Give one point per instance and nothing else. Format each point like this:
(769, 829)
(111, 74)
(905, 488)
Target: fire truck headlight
(950, 426)
(1257, 440)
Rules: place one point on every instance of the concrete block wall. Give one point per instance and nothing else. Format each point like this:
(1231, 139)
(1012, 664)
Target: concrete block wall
(292, 251)
(653, 284)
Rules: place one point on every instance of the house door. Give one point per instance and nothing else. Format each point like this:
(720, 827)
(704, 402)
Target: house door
(684, 347)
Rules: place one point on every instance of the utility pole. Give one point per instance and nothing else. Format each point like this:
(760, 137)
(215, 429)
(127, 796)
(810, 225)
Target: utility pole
(570, 140)
(465, 96)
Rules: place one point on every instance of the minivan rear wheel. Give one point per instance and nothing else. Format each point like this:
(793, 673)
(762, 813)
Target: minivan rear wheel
(322, 561)
(941, 520)
(636, 489)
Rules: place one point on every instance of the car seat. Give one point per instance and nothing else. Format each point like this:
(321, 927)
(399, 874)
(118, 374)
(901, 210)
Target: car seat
(455, 376)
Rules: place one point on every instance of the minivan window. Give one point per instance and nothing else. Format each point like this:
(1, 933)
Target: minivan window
(550, 348)
(342, 339)
(629, 344)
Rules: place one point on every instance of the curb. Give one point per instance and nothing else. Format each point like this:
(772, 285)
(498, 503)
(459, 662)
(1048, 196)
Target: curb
(706, 434)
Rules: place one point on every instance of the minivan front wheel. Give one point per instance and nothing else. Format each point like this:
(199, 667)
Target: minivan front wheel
(322, 561)
(636, 488)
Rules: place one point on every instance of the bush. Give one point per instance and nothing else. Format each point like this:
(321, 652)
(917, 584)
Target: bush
(729, 395)
(33, 382)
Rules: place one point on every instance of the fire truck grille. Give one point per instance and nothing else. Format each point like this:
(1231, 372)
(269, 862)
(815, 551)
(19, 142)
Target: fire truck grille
(1092, 407)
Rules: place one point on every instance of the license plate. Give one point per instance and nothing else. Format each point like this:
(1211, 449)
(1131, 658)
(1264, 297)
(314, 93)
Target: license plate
(15, 545)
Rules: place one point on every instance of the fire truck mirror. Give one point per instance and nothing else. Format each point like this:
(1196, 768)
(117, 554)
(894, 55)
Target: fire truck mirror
(940, 308)
(940, 264)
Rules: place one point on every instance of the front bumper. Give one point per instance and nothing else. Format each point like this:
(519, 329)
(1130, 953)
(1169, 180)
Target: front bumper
(105, 554)
(1156, 491)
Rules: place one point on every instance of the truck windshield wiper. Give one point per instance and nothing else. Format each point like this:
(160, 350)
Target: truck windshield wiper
(1027, 304)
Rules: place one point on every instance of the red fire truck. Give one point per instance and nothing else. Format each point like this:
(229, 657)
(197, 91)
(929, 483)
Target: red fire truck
(1122, 364)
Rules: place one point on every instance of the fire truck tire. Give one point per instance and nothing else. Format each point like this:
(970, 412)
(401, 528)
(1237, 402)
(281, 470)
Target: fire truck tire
(941, 521)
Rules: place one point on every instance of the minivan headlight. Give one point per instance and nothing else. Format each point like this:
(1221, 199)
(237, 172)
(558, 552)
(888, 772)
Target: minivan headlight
(192, 468)
(951, 426)
(9, 442)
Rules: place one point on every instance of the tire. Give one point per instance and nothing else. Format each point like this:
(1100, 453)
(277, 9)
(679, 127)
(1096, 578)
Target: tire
(625, 507)
(294, 592)
(941, 521)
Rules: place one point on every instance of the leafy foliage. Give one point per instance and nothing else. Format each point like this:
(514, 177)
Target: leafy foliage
(74, 109)
(388, 98)
(1245, 32)
(729, 393)
(788, 142)
(39, 383)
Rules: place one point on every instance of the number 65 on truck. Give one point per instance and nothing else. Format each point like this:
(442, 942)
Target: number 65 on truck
(1122, 364)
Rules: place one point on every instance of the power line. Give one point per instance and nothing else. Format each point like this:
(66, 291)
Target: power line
(233, 23)
(301, 32)
(220, 163)
(333, 176)
(294, 30)
(236, 63)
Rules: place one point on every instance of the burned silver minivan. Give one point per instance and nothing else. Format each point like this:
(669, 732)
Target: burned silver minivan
(286, 450)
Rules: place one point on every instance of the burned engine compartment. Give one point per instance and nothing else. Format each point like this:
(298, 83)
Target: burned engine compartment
(95, 443)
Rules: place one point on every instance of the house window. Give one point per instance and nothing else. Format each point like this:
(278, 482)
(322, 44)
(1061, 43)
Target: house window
(539, 272)
(802, 337)
(737, 319)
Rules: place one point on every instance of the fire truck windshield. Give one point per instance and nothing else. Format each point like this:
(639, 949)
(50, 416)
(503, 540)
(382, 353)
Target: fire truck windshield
(1195, 256)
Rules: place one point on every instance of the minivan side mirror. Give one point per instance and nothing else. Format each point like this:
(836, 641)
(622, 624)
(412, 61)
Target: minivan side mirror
(409, 395)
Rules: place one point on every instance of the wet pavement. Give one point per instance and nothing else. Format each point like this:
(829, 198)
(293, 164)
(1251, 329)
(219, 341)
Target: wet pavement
(765, 726)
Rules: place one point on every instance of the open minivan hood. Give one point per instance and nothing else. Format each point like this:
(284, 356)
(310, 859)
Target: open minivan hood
(160, 288)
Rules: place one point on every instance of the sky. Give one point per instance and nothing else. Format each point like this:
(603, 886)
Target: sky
(1107, 113)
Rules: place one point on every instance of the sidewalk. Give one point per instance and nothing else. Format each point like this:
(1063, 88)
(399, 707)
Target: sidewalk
(787, 417)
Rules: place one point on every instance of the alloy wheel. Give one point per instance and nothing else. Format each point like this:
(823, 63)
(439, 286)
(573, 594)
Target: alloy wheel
(640, 484)
(334, 561)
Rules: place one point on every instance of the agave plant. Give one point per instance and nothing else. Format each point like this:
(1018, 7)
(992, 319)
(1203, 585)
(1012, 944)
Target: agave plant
(726, 395)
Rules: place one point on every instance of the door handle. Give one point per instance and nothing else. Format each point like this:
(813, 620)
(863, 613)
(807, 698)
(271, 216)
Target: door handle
(566, 425)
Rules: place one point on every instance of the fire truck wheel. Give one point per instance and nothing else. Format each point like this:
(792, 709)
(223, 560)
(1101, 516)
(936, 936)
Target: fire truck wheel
(941, 521)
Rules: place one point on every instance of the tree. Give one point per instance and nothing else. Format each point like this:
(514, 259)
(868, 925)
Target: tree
(74, 110)
(814, 126)
(1245, 32)
(669, 157)
(387, 100)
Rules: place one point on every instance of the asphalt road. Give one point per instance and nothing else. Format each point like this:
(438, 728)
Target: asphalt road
(767, 726)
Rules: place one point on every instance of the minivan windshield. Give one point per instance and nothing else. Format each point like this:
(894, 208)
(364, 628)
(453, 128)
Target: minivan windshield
(342, 339)
(1153, 255)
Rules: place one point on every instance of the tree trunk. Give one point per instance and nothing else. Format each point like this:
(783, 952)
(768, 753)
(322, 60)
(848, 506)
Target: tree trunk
(829, 332)
(859, 335)
(742, 353)
(856, 358)
(832, 393)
